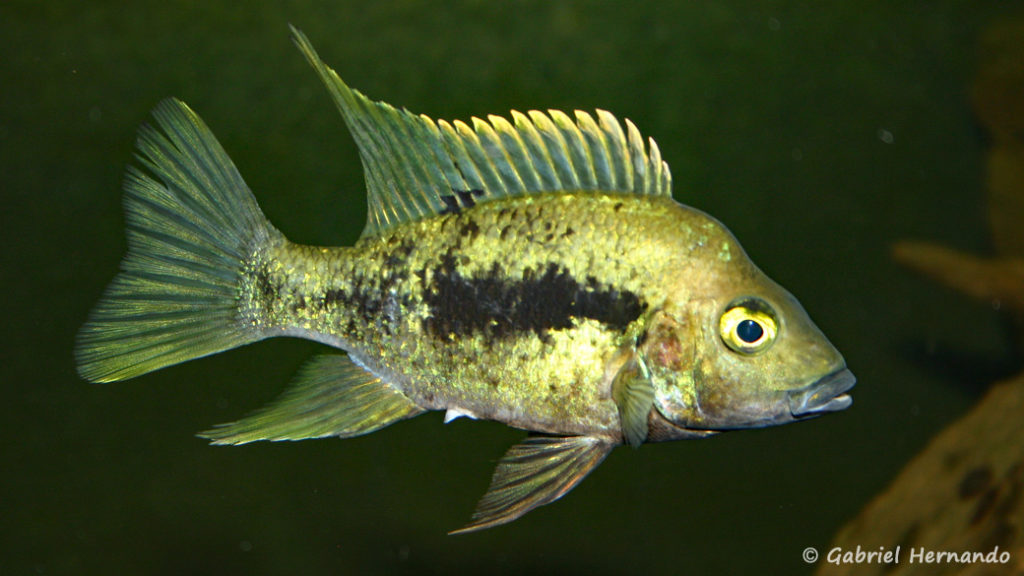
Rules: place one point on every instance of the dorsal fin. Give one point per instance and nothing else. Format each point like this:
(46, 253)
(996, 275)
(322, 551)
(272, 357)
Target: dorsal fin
(416, 167)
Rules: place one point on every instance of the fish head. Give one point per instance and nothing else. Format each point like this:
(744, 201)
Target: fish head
(739, 351)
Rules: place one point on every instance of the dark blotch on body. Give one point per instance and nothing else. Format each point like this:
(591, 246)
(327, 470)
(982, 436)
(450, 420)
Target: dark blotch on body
(469, 229)
(366, 304)
(460, 200)
(500, 308)
(267, 290)
(370, 299)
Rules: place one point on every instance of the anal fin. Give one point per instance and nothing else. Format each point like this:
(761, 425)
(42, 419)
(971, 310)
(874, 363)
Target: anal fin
(536, 472)
(330, 396)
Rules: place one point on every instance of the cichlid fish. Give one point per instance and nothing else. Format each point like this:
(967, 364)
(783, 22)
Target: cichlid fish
(535, 272)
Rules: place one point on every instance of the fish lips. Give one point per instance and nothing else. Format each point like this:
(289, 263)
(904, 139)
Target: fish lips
(828, 394)
(824, 395)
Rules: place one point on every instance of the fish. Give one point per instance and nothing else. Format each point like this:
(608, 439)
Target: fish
(531, 269)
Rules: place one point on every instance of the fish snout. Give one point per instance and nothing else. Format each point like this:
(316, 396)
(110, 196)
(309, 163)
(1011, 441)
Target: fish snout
(828, 394)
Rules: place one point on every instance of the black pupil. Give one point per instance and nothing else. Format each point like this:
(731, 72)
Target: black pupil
(749, 331)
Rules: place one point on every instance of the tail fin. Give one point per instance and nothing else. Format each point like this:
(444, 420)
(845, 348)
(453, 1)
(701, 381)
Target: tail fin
(192, 224)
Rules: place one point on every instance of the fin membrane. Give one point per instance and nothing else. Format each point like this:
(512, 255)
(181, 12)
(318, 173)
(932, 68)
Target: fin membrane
(536, 472)
(411, 161)
(633, 394)
(330, 396)
(191, 224)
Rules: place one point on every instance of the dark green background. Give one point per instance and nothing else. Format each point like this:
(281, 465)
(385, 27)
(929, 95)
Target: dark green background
(774, 117)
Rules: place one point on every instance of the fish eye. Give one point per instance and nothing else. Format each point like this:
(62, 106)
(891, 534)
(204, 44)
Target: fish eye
(749, 331)
(748, 326)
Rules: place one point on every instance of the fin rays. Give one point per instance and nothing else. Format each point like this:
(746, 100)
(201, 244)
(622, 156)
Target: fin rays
(536, 472)
(331, 396)
(193, 227)
(191, 223)
(412, 161)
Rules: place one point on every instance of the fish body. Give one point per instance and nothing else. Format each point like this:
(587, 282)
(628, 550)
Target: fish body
(534, 272)
(440, 308)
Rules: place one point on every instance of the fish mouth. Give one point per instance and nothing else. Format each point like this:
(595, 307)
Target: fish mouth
(823, 396)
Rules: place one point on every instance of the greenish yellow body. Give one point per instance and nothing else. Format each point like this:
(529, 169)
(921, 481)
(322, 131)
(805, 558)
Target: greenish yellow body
(536, 272)
(372, 300)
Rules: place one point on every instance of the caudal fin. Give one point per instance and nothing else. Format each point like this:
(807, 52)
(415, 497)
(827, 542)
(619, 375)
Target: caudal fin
(192, 225)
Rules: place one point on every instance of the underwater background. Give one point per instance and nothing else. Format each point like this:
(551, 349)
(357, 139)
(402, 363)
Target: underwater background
(818, 133)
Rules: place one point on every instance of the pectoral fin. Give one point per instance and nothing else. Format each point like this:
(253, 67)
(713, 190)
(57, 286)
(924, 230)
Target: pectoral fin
(536, 472)
(331, 396)
(633, 394)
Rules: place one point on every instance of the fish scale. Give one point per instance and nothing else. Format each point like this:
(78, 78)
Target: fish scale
(342, 295)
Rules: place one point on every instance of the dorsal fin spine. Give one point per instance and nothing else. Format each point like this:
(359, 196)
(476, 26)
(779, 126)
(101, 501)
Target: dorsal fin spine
(654, 182)
(574, 143)
(534, 142)
(460, 158)
(610, 124)
(465, 164)
(560, 146)
(598, 147)
(476, 153)
(516, 151)
(445, 163)
(493, 148)
(636, 145)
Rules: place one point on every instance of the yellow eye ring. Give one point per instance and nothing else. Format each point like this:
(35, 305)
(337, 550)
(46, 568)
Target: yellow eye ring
(748, 326)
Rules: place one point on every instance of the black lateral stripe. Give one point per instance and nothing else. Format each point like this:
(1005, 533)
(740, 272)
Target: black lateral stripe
(541, 301)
